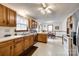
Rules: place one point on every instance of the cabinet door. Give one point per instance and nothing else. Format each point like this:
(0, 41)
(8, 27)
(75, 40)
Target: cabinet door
(42, 37)
(31, 40)
(3, 19)
(11, 17)
(26, 42)
(6, 51)
(6, 48)
(35, 39)
(18, 48)
(30, 23)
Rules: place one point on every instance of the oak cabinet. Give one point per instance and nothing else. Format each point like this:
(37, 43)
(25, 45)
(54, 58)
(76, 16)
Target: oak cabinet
(31, 40)
(35, 38)
(6, 51)
(7, 16)
(42, 37)
(11, 17)
(6, 48)
(3, 20)
(18, 46)
(32, 23)
(26, 42)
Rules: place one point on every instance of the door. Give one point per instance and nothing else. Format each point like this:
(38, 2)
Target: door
(11, 18)
(6, 51)
(6, 48)
(31, 41)
(2, 15)
(50, 28)
(26, 42)
(18, 47)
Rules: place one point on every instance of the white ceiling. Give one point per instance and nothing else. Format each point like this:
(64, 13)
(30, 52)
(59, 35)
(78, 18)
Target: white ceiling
(59, 13)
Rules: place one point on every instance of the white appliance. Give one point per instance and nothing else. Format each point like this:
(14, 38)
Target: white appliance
(77, 39)
(66, 45)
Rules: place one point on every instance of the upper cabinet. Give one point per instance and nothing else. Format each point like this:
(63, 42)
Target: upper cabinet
(7, 16)
(69, 25)
(32, 24)
(3, 20)
(11, 17)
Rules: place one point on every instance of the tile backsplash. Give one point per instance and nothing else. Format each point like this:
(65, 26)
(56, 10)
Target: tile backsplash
(6, 31)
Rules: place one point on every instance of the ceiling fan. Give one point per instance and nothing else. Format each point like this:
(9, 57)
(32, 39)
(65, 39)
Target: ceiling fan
(45, 8)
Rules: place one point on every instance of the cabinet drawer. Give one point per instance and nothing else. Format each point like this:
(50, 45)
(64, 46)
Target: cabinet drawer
(18, 40)
(6, 43)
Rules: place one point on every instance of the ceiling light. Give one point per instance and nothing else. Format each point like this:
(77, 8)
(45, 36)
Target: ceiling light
(45, 8)
(43, 12)
(44, 5)
(50, 7)
(48, 11)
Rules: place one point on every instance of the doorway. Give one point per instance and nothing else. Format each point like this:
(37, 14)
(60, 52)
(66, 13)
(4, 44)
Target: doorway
(51, 33)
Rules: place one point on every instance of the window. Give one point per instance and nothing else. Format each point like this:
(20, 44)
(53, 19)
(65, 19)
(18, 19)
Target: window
(22, 23)
(50, 28)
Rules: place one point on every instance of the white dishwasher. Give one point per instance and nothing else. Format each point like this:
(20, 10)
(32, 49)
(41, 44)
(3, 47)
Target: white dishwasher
(66, 45)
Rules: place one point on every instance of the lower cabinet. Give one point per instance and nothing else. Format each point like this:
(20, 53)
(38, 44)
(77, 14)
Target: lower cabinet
(26, 42)
(35, 38)
(6, 48)
(42, 37)
(18, 46)
(31, 40)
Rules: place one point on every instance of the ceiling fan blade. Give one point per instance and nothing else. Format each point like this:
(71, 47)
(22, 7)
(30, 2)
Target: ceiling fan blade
(44, 5)
(50, 7)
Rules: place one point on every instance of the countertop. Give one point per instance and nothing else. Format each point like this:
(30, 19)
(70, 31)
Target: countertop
(15, 36)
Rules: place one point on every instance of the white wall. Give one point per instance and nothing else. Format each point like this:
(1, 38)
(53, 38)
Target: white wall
(61, 24)
(6, 30)
(64, 25)
(62, 28)
(57, 23)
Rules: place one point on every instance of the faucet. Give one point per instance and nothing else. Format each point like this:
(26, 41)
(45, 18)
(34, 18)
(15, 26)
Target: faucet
(23, 33)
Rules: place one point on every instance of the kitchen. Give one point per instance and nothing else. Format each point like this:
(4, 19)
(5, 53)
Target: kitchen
(18, 34)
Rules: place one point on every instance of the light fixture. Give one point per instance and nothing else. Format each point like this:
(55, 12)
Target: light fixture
(45, 8)
(44, 5)
(48, 11)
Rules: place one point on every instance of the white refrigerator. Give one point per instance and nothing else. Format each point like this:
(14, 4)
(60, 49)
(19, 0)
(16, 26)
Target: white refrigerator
(77, 39)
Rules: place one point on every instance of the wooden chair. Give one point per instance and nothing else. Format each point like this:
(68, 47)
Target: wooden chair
(51, 34)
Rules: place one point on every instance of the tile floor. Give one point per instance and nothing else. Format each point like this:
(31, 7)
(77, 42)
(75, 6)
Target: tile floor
(53, 47)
